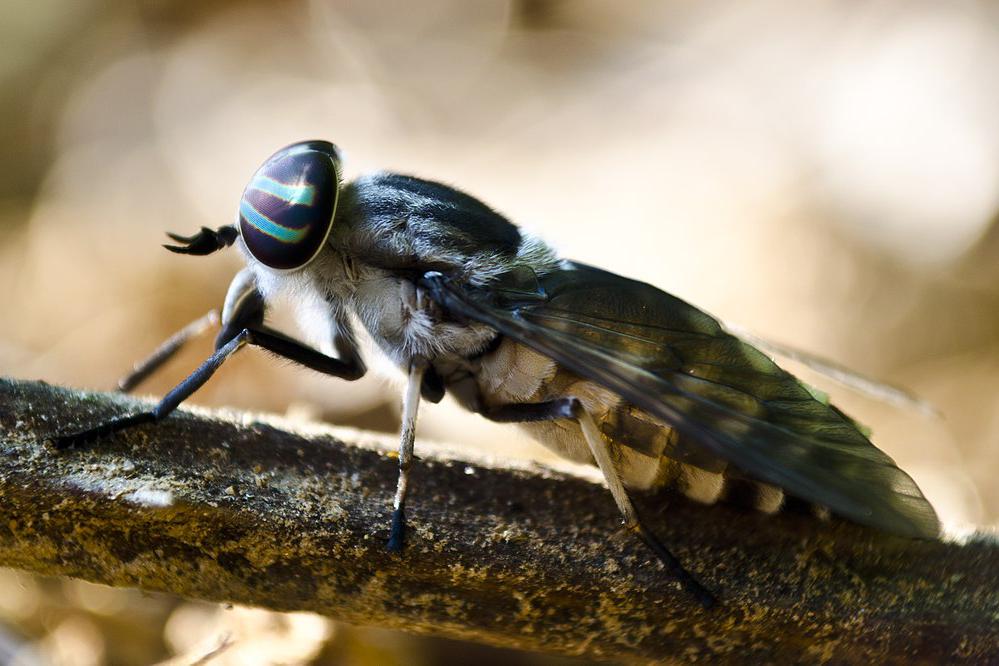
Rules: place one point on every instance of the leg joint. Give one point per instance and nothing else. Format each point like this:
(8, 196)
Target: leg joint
(230, 334)
(572, 408)
(530, 412)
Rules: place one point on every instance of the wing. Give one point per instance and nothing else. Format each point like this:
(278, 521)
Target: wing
(676, 362)
(856, 381)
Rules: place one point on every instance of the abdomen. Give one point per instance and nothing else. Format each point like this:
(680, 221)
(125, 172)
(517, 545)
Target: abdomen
(648, 454)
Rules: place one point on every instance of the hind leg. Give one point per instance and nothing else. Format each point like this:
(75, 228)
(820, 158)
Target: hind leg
(571, 408)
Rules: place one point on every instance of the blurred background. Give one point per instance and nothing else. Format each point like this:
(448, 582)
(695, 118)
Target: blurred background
(825, 175)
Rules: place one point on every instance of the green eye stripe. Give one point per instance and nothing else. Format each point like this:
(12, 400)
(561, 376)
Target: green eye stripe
(265, 225)
(302, 195)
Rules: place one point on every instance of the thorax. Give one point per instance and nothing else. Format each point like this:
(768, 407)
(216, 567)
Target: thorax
(388, 305)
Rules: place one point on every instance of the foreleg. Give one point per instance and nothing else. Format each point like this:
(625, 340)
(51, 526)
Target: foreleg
(241, 325)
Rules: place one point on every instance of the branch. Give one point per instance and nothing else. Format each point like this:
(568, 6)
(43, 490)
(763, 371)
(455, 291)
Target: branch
(230, 507)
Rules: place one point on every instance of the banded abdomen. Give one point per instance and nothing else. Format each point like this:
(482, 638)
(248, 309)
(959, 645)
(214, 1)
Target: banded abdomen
(649, 454)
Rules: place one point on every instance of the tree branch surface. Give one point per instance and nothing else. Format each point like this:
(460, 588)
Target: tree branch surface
(225, 506)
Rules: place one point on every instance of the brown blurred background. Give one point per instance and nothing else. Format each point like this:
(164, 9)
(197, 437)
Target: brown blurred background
(823, 174)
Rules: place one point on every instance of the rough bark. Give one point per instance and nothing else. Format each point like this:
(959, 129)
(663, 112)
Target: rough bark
(231, 507)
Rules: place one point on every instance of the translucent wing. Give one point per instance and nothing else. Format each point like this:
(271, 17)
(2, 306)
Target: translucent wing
(859, 382)
(677, 363)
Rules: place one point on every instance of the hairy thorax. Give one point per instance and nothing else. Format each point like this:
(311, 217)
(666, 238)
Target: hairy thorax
(394, 312)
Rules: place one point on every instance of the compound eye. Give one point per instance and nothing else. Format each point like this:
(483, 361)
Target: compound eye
(286, 212)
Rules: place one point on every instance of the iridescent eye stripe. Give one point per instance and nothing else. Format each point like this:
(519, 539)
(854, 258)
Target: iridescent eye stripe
(294, 194)
(265, 225)
(286, 213)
